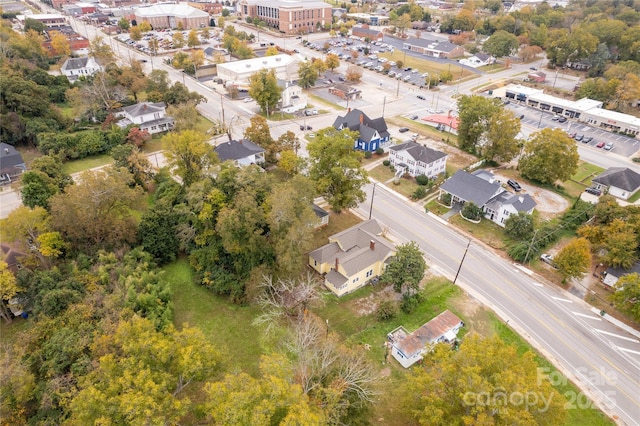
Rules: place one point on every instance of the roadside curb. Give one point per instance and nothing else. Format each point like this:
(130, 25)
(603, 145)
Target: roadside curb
(616, 322)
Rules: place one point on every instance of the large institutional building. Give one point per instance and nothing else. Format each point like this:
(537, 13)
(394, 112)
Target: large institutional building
(238, 72)
(172, 15)
(288, 16)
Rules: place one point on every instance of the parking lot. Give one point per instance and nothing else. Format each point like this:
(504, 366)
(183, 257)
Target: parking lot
(165, 41)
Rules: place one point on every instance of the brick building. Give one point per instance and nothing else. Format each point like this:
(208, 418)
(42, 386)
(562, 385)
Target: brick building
(289, 17)
(210, 7)
(172, 15)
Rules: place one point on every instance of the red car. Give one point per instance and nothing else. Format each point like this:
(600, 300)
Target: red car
(600, 145)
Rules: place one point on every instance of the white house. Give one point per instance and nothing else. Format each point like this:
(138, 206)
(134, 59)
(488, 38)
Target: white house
(478, 60)
(241, 153)
(74, 68)
(408, 348)
(148, 116)
(621, 182)
(481, 188)
(292, 97)
(417, 159)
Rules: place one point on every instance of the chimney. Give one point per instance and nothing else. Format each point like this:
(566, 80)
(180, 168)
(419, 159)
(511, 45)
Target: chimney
(521, 199)
(372, 245)
(6, 150)
(349, 110)
(337, 263)
(361, 118)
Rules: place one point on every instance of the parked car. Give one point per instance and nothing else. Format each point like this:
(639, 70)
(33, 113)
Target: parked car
(407, 78)
(515, 185)
(521, 116)
(562, 120)
(578, 137)
(609, 146)
(303, 127)
(414, 117)
(594, 191)
(600, 145)
(533, 68)
(555, 118)
(548, 259)
(587, 139)
(421, 97)
(403, 129)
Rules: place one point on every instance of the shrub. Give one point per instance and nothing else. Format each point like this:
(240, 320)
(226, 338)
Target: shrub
(446, 199)
(387, 310)
(386, 162)
(367, 154)
(379, 151)
(419, 193)
(392, 168)
(471, 211)
(422, 180)
(410, 302)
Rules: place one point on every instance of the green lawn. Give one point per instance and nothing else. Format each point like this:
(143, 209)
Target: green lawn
(424, 129)
(322, 101)
(226, 325)
(433, 68)
(75, 166)
(586, 171)
(486, 231)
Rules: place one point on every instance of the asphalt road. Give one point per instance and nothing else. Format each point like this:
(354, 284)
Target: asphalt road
(603, 360)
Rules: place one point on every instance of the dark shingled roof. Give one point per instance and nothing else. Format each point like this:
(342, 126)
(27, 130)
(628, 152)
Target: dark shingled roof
(10, 158)
(521, 202)
(234, 150)
(75, 63)
(319, 211)
(368, 127)
(619, 177)
(471, 188)
(419, 152)
(144, 108)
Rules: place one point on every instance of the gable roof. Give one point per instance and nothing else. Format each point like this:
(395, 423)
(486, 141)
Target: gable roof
(11, 256)
(144, 108)
(319, 211)
(429, 333)
(619, 177)
(75, 63)
(419, 152)
(470, 187)
(447, 120)
(520, 202)
(482, 56)
(10, 157)
(237, 150)
(359, 121)
(433, 45)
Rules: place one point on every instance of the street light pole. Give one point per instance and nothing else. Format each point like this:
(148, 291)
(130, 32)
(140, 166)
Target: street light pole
(373, 193)
(384, 103)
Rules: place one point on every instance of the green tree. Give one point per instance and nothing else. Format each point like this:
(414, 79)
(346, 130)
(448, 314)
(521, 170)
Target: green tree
(450, 386)
(620, 242)
(572, 46)
(500, 44)
(135, 33)
(501, 136)
(574, 259)
(263, 87)
(307, 75)
(289, 162)
(97, 212)
(192, 39)
(627, 295)
(123, 23)
(271, 51)
(549, 155)
(336, 169)
(471, 211)
(189, 154)
(8, 290)
(178, 40)
(36, 189)
(475, 114)
(406, 269)
(332, 61)
(519, 226)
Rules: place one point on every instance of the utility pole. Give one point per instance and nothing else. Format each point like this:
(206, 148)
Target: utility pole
(384, 103)
(373, 194)
(461, 261)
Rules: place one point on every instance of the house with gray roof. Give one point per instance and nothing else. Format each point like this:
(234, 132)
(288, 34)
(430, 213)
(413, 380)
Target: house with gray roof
(353, 257)
(621, 182)
(433, 48)
(74, 68)
(611, 276)
(11, 163)
(417, 159)
(373, 134)
(409, 348)
(241, 153)
(482, 188)
(321, 214)
(148, 116)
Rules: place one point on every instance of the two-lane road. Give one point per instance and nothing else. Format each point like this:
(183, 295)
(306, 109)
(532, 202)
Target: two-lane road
(601, 359)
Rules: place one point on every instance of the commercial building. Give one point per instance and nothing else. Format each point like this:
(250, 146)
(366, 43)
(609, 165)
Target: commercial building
(238, 72)
(172, 16)
(433, 48)
(288, 16)
(49, 20)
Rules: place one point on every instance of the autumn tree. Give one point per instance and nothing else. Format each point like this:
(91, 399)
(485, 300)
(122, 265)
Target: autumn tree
(135, 33)
(271, 51)
(307, 75)
(549, 155)
(135, 162)
(500, 44)
(101, 51)
(60, 44)
(475, 116)
(258, 132)
(451, 387)
(406, 269)
(335, 167)
(290, 163)
(288, 141)
(24, 226)
(332, 61)
(178, 40)
(141, 373)
(353, 74)
(529, 53)
(571, 46)
(189, 155)
(192, 38)
(8, 290)
(263, 87)
(627, 295)
(574, 259)
(502, 144)
(97, 212)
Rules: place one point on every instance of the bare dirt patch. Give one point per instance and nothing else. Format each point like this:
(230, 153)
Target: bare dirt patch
(368, 305)
(475, 315)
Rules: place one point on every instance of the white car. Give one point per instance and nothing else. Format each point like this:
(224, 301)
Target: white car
(407, 77)
(609, 146)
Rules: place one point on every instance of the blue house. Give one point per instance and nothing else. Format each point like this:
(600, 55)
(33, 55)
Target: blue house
(373, 133)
